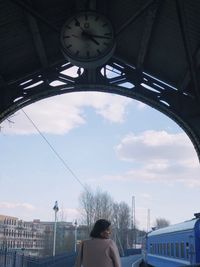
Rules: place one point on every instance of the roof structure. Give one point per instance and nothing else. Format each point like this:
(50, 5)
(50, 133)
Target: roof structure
(179, 227)
(156, 60)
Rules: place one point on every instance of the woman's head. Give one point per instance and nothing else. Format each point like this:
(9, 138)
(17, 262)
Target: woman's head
(101, 229)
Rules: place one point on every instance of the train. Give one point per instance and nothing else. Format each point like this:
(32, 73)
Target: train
(174, 246)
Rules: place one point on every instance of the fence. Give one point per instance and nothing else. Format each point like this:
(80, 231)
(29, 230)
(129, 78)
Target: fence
(15, 259)
(132, 251)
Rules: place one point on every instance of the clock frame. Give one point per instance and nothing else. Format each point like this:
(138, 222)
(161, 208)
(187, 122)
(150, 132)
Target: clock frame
(87, 39)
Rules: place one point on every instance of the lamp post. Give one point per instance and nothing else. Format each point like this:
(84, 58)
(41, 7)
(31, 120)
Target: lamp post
(75, 235)
(56, 209)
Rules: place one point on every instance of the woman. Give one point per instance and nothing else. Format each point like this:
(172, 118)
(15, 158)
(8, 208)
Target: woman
(100, 250)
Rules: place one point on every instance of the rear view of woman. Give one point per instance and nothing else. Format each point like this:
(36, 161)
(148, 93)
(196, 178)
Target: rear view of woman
(100, 250)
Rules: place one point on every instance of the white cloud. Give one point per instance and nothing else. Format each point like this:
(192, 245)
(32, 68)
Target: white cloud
(10, 205)
(146, 196)
(60, 114)
(160, 157)
(158, 147)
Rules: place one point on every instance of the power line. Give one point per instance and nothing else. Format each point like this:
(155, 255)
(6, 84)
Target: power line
(54, 151)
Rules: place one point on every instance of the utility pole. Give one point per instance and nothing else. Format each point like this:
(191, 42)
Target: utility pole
(134, 222)
(75, 235)
(56, 209)
(148, 220)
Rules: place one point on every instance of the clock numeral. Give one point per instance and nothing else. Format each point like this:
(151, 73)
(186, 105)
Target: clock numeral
(99, 51)
(77, 52)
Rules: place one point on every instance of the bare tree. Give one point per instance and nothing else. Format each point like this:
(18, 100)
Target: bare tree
(99, 205)
(95, 205)
(103, 205)
(86, 200)
(121, 220)
(161, 223)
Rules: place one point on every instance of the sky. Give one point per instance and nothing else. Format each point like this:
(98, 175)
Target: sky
(110, 142)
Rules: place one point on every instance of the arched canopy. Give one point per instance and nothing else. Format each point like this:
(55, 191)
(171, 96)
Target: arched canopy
(156, 59)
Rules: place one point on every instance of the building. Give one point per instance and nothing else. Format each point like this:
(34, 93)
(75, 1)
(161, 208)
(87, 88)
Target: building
(15, 234)
(35, 237)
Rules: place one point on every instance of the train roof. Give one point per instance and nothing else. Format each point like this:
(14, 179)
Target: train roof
(187, 225)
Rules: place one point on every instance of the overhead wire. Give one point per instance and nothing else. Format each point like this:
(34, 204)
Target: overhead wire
(54, 151)
(64, 163)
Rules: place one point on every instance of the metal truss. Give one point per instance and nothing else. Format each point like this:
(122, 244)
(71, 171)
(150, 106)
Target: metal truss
(115, 77)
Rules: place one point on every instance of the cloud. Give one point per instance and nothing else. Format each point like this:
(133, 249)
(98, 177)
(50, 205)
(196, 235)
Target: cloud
(60, 114)
(146, 196)
(158, 147)
(10, 205)
(159, 157)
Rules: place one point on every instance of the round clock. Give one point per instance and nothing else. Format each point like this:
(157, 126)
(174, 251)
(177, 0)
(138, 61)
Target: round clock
(87, 39)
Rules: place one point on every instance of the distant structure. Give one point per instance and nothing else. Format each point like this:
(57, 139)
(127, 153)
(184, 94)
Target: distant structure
(16, 234)
(35, 237)
(148, 220)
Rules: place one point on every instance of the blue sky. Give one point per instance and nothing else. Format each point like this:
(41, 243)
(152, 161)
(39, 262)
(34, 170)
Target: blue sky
(115, 143)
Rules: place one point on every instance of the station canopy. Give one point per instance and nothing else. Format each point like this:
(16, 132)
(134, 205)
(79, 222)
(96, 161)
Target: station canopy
(157, 44)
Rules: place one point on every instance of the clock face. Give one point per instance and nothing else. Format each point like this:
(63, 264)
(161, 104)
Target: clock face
(87, 37)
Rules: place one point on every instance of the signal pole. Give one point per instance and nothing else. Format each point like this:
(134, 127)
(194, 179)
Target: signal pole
(133, 221)
(56, 209)
(148, 220)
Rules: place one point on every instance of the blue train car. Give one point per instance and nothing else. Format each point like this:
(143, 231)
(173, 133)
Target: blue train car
(174, 246)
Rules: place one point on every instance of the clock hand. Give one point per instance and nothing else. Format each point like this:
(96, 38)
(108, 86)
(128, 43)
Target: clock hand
(100, 36)
(75, 36)
(77, 22)
(89, 36)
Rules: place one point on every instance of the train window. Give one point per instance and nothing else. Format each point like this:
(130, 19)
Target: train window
(151, 248)
(172, 249)
(168, 249)
(177, 250)
(182, 250)
(164, 249)
(160, 248)
(187, 250)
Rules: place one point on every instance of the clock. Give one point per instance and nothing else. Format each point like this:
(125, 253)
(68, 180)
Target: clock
(87, 39)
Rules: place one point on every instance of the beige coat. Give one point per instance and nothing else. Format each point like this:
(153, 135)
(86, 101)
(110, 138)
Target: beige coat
(98, 252)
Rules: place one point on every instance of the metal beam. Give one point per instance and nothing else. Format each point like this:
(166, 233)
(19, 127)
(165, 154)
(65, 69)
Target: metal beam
(35, 14)
(186, 77)
(187, 46)
(147, 33)
(38, 41)
(134, 17)
(86, 4)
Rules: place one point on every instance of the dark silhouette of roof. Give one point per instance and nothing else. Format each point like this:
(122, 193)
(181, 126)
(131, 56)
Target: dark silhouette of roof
(160, 38)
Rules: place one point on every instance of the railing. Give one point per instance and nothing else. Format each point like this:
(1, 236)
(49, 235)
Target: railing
(15, 259)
